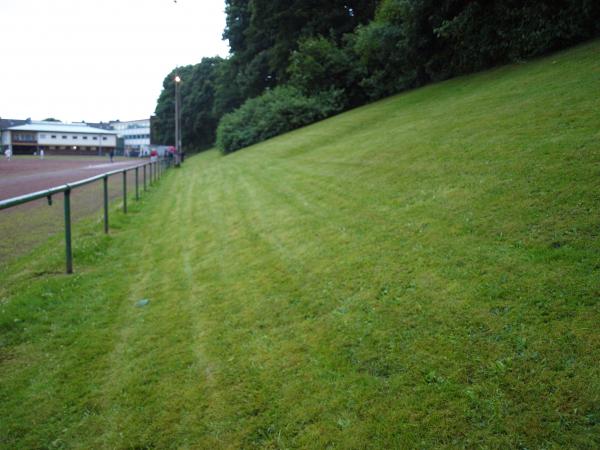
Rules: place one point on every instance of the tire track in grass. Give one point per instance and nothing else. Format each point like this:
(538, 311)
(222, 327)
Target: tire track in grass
(153, 364)
(235, 389)
(196, 244)
(122, 365)
(189, 250)
(233, 316)
(125, 367)
(235, 393)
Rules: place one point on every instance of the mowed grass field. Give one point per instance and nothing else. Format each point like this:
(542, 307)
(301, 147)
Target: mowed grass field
(423, 272)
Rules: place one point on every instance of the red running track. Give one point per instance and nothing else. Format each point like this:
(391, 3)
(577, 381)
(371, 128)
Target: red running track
(21, 176)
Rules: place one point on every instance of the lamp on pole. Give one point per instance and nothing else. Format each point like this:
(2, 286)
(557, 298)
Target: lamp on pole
(177, 123)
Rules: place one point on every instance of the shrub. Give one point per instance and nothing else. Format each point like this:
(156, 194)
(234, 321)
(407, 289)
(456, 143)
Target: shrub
(276, 111)
(320, 65)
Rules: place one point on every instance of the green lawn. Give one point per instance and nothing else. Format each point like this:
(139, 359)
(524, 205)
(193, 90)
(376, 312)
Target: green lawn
(423, 272)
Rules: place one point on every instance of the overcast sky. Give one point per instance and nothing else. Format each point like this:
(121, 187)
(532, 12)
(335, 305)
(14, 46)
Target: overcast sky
(98, 60)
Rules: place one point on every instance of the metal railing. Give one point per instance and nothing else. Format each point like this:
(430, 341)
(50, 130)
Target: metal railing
(151, 172)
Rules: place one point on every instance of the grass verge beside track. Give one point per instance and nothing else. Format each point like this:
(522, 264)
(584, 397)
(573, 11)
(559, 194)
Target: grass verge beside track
(421, 272)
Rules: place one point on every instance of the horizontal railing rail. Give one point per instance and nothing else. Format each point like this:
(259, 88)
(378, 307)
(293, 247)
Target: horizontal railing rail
(151, 170)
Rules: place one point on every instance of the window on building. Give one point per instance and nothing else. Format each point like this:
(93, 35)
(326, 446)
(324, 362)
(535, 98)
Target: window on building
(64, 137)
(103, 138)
(24, 137)
(53, 136)
(95, 138)
(85, 138)
(75, 137)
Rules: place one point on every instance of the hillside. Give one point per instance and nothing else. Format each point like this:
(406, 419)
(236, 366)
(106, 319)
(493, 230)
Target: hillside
(420, 272)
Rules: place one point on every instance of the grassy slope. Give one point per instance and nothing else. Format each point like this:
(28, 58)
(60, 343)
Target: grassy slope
(420, 272)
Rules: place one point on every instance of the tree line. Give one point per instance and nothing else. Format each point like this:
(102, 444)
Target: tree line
(293, 62)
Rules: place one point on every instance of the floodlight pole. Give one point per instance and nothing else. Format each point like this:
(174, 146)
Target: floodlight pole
(177, 123)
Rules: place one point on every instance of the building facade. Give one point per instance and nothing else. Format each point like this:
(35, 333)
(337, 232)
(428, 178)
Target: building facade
(58, 139)
(135, 135)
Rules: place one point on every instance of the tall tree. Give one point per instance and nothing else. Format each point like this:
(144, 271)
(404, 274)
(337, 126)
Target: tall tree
(198, 118)
(263, 34)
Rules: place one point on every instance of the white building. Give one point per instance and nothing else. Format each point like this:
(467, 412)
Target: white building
(135, 134)
(58, 138)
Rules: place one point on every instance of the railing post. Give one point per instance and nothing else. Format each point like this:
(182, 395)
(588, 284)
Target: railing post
(68, 248)
(137, 182)
(125, 191)
(105, 183)
(145, 177)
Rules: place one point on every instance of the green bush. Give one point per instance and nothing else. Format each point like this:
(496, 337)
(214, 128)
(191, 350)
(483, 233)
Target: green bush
(275, 112)
(320, 65)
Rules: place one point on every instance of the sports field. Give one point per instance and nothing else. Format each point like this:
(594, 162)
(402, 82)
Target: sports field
(26, 226)
(23, 175)
(422, 272)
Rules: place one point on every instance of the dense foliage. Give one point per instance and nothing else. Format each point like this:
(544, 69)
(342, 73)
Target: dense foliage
(198, 119)
(413, 42)
(361, 49)
(278, 110)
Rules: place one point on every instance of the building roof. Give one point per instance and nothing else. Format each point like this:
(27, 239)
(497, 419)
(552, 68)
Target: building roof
(115, 122)
(7, 123)
(103, 125)
(58, 127)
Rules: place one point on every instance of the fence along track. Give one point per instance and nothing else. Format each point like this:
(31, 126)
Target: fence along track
(144, 175)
